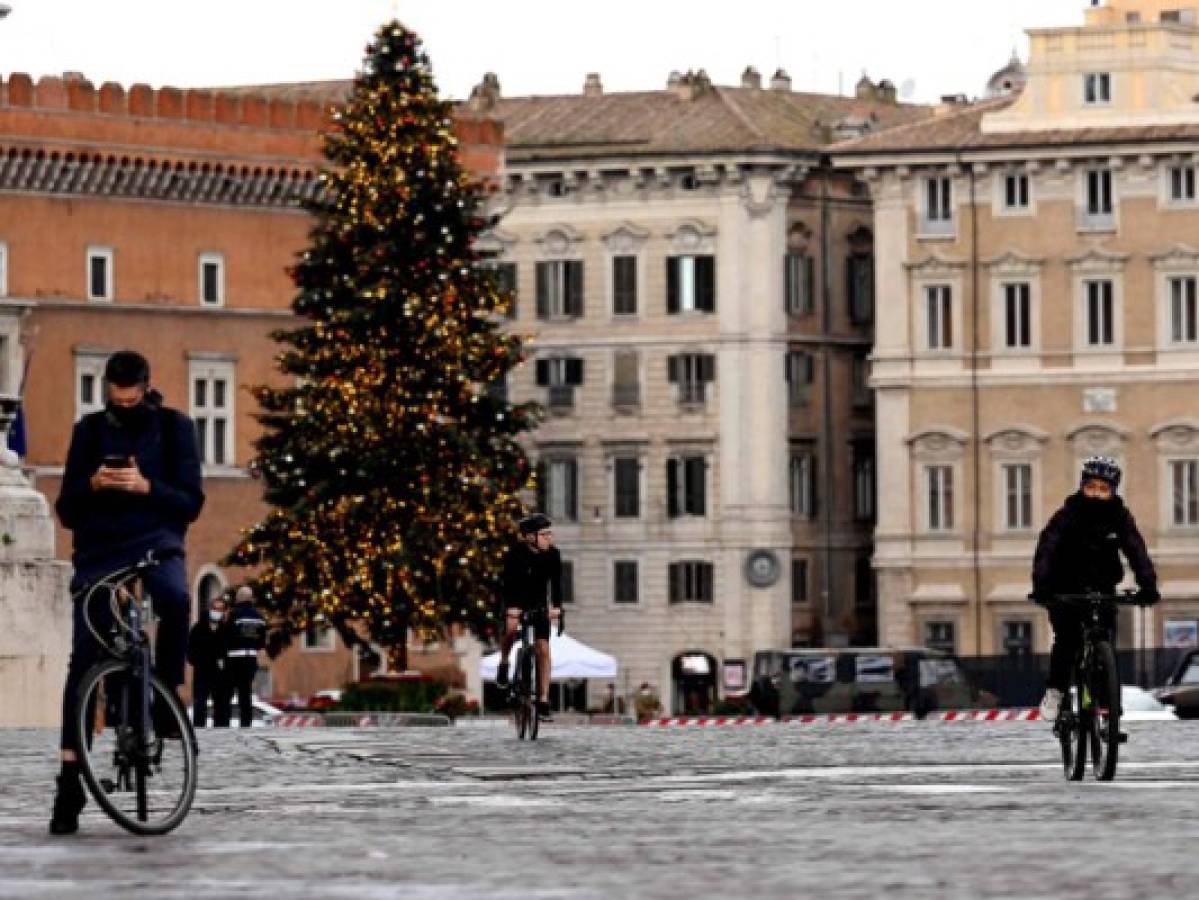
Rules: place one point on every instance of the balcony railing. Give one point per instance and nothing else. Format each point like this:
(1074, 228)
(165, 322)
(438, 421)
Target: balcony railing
(626, 396)
(561, 399)
(691, 393)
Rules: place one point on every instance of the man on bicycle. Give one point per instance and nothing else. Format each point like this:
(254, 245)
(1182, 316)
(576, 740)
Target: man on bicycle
(1079, 552)
(131, 485)
(532, 568)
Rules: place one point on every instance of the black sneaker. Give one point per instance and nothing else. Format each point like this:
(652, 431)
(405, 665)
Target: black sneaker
(543, 711)
(69, 801)
(501, 675)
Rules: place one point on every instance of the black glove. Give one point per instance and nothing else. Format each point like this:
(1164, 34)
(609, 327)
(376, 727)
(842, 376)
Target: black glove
(1039, 597)
(561, 621)
(1146, 597)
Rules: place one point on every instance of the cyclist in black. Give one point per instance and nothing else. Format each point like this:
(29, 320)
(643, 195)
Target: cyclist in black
(131, 484)
(532, 569)
(1078, 552)
(246, 636)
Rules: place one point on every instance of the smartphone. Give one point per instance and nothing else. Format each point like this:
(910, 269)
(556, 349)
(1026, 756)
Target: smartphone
(113, 461)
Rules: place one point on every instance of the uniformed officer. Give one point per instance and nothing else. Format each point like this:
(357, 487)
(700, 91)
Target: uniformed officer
(206, 647)
(247, 635)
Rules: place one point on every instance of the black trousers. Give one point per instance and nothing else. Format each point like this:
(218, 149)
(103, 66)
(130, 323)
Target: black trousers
(1067, 640)
(206, 683)
(240, 672)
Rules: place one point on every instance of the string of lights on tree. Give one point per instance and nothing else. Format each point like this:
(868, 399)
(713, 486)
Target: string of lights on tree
(391, 467)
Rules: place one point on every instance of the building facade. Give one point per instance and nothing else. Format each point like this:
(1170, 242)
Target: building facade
(698, 290)
(165, 220)
(1037, 259)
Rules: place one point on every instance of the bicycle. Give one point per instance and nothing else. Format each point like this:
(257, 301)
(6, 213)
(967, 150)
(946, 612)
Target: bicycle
(137, 749)
(523, 692)
(1089, 718)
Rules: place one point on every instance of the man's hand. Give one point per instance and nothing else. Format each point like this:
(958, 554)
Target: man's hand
(126, 478)
(1146, 597)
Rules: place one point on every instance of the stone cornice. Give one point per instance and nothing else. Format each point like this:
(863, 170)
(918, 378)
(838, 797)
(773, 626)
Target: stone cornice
(118, 308)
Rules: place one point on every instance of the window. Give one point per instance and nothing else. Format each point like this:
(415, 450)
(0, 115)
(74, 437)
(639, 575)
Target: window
(938, 201)
(558, 488)
(860, 285)
(938, 303)
(212, 279)
(1015, 191)
(1183, 310)
(1099, 193)
(865, 597)
(561, 375)
(3, 269)
(799, 284)
(624, 581)
(691, 582)
(800, 374)
(1017, 494)
(568, 582)
(691, 372)
(505, 274)
(690, 284)
(1017, 308)
(626, 485)
(939, 480)
(626, 380)
(799, 580)
(1100, 314)
(863, 482)
(1184, 480)
(89, 383)
(802, 483)
(1182, 184)
(560, 289)
(99, 273)
(1017, 637)
(624, 285)
(686, 491)
(939, 635)
(212, 410)
(1097, 88)
(319, 637)
(860, 393)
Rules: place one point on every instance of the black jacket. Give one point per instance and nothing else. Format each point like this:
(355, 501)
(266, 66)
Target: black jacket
(246, 627)
(1079, 550)
(529, 577)
(116, 528)
(206, 646)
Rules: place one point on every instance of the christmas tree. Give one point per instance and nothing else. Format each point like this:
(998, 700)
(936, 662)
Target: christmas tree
(391, 462)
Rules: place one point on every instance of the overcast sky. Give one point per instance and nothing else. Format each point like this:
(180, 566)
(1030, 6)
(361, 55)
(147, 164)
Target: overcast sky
(933, 47)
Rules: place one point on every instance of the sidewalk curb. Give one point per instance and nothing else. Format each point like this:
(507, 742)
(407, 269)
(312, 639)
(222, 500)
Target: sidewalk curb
(952, 715)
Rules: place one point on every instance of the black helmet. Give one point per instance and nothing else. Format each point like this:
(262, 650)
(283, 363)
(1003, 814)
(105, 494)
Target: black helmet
(1102, 467)
(534, 523)
(125, 368)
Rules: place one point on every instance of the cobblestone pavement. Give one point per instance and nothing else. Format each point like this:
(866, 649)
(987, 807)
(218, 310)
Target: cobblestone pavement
(916, 809)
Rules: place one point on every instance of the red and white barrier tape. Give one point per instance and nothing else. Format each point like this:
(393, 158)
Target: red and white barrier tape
(294, 720)
(952, 715)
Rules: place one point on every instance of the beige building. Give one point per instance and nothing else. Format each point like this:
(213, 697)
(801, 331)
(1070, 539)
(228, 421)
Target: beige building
(699, 292)
(1037, 262)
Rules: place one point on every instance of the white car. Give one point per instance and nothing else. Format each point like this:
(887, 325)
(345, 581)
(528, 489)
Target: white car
(1141, 706)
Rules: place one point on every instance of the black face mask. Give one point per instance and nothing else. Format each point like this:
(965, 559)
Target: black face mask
(132, 417)
(1096, 508)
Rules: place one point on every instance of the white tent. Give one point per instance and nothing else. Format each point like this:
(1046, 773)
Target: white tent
(570, 659)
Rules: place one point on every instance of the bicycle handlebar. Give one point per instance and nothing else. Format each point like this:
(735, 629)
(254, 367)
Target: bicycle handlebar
(1123, 598)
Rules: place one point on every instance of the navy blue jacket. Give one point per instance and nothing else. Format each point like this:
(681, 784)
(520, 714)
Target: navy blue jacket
(1079, 550)
(116, 528)
(246, 628)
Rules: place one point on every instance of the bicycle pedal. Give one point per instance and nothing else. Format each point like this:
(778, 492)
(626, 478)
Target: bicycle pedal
(108, 785)
(1122, 739)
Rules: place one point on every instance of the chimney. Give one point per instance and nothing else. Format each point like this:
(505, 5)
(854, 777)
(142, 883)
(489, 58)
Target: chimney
(751, 78)
(674, 80)
(780, 81)
(484, 95)
(887, 92)
(865, 89)
(592, 87)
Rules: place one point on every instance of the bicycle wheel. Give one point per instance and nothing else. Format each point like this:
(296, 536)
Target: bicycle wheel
(1105, 716)
(520, 713)
(145, 786)
(1072, 730)
(534, 719)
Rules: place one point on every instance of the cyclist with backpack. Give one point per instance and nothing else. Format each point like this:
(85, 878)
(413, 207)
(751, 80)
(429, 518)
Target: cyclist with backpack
(131, 484)
(1079, 552)
(532, 570)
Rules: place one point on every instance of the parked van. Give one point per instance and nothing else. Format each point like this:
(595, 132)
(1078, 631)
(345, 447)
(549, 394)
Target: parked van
(861, 679)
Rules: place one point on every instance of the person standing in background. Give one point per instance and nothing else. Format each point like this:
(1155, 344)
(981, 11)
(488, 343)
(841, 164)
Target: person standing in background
(246, 636)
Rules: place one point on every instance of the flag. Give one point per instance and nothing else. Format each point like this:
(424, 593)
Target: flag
(17, 439)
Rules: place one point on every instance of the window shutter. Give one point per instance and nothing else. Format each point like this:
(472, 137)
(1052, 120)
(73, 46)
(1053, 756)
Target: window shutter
(705, 283)
(574, 288)
(808, 370)
(544, 274)
(543, 372)
(791, 299)
(789, 366)
(705, 582)
(813, 499)
(542, 494)
(574, 371)
(572, 489)
(674, 583)
(695, 485)
(672, 284)
(808, 301)
(672, 488)
(672, 369)
(707, 367)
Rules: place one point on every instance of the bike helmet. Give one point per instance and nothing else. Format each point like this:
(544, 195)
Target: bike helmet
(534, 523)
(1102, 467)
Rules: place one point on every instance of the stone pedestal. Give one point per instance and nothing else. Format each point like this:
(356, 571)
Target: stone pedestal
(35, 606)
